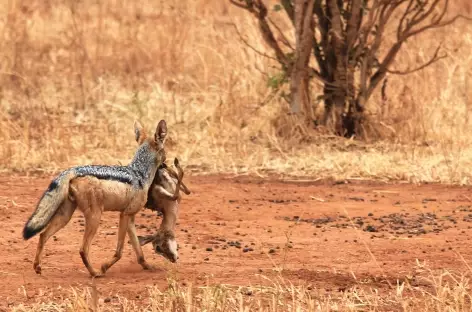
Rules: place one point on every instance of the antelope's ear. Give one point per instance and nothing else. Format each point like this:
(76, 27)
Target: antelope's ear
(143, 240)
(139, 132)
(161, 132)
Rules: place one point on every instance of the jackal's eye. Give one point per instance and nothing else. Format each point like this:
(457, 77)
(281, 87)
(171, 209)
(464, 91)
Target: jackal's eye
(158, 249)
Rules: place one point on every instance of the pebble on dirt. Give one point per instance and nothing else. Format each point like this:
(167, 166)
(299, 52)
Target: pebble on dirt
(370, 228)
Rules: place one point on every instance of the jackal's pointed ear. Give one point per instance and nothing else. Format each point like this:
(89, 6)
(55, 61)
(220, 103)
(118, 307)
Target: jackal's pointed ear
(139, 132)
(161, 132)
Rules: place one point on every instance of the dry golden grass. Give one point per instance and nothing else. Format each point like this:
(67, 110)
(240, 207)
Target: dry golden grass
(74, 76)
(441, 291)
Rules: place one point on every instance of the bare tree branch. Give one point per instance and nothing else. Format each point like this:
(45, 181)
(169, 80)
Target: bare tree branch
(380, 73)
(318, 76)
(323, 27)
(288, 7)
(250, 46)
(259, 10)
(354, 23)
(404, 19)
(320, 47)
(417, 19)
(440, 24)
(284, 38)
(317, 51)
(436, 57)
(336, 41)
(239, 4)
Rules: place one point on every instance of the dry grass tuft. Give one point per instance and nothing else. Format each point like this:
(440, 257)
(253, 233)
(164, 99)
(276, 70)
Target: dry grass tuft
(439, 291)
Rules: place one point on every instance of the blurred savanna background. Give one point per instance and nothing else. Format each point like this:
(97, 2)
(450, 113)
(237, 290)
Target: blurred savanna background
(75, 74)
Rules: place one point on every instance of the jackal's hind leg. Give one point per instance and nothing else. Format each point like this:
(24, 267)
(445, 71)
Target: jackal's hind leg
(137, 246)
(123, 227)
(58, 221)
(92, 221)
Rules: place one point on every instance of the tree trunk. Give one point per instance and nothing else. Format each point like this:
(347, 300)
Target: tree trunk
(299, 76)
(335, 113)
(300, 93)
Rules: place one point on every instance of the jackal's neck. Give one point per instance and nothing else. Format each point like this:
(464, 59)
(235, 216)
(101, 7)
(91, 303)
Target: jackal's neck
(145, 164)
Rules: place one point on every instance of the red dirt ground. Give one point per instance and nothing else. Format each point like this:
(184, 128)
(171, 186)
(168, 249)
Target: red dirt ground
(429, 222)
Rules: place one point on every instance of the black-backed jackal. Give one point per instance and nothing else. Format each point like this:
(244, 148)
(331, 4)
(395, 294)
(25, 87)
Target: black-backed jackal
(95, 189)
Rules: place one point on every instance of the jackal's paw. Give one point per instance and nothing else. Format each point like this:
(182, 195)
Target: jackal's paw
(104, 268)
(37, 268)
(149, 267)
(97, 274)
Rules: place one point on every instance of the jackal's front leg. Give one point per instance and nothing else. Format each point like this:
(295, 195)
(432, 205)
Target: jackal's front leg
(123, 227)
(137, 247)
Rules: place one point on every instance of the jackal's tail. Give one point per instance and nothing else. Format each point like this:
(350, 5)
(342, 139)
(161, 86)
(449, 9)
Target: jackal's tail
(49, 203)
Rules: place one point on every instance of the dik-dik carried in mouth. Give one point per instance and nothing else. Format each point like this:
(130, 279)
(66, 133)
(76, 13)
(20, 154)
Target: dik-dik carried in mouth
(160, 198)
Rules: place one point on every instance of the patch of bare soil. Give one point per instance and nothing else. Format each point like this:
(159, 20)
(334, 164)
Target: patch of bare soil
(232, 231)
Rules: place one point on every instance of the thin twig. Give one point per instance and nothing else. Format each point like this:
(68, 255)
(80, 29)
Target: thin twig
(242, 6)
(250, 46)
(433, 60)
(285, 40)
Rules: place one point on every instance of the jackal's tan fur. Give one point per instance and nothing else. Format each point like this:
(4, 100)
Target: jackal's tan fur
(95, 189)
